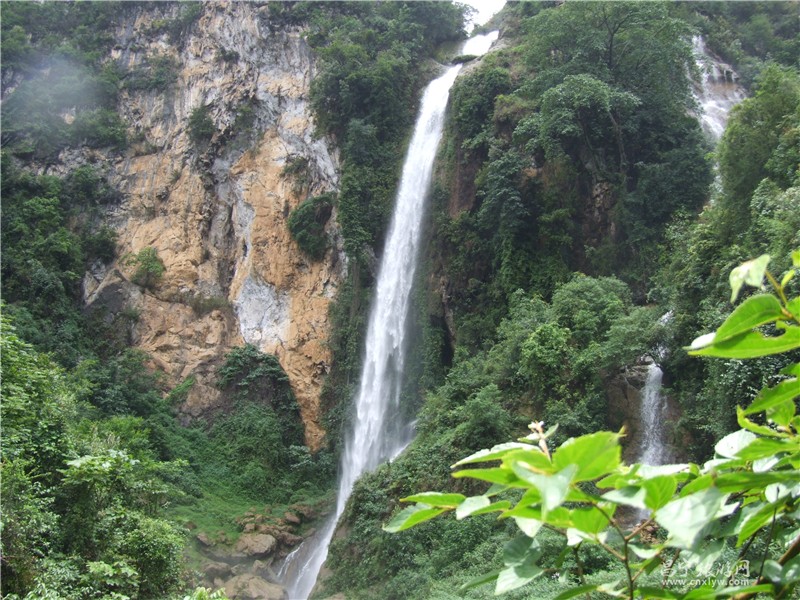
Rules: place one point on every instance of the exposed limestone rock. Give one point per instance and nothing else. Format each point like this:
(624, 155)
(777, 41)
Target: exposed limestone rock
(251, 587)
(214, 569)
(256, 544)
(216, 213)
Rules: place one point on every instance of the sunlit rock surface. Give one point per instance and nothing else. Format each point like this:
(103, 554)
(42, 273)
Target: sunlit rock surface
(217, 211)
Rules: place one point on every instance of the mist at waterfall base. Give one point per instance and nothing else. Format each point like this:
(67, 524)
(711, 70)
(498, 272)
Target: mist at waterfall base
(379, 431)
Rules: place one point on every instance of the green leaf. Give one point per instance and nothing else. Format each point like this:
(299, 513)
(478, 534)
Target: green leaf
(589, 520)
(796, 258)
(764, 447)
(643, 552)
(515, 577)
(755, 521)
(792, 369)
(660, 490)
(519, 551)
(742, 481)
(595, 455)
(535, 459)
(471, 505)
(529, 527)
(733, 443)
(651, 592)
(495, 453)
(648, 471)
(578, 591)
(684, 518)
(755, 311)
(480, 580)
(629, 496)
(436, 499)
(499, 475)
(703, 482)
(769, 397)
(793, 306)
(750, 273)
(782, 414)
(755, 428)
(553, 488)
(791, 571)
(410, 516)
(752, 345)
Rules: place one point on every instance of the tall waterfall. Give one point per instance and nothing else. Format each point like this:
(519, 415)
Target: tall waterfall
(717, 91)
(379, 432)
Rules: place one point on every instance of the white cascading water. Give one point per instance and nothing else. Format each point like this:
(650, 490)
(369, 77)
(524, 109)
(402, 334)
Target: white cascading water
(654, 449)
(379, 432)
(717, 92)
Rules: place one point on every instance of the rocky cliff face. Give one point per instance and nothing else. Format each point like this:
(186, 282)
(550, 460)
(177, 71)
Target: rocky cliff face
(216, 210)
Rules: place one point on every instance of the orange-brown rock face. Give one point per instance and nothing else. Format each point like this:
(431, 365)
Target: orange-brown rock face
(216, 211)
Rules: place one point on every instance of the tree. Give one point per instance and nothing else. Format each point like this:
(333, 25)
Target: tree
(754, 132)
(711, 515)
(201, 126)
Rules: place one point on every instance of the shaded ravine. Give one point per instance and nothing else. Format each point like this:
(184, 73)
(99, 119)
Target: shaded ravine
(716, 93)
(380, 432)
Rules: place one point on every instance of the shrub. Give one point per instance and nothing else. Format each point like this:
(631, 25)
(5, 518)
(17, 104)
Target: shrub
(201, 126)
(307, 225)
(149, 268)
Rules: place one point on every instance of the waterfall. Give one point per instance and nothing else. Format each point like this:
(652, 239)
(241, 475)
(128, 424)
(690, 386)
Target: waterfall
(653, 417)
(717, 91)
(379, 432)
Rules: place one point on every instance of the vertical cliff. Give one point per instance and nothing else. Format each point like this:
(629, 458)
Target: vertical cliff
(215, 207)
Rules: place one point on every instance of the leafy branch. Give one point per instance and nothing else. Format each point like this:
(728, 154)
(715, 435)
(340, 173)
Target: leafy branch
(749, 489)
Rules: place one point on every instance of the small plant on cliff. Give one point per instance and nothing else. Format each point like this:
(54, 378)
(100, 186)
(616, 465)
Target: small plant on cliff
(149, 268)
(728, 528)
(307, 225)
(201, 127)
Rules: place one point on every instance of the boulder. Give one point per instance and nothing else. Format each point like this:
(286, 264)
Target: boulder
(256, 544)
(214, 569)
(292, 518)
(252, 587)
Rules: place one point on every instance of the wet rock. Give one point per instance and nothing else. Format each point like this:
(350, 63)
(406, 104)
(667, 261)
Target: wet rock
(252, 587)
(204, 540)
(292, 518)
(256, 544)
(215, 569)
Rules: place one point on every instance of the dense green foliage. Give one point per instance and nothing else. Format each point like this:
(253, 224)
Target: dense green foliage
(307, 225)
(749, 491)
(56, 51)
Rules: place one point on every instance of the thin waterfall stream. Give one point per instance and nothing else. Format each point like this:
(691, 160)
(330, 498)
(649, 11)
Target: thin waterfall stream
(379, 431)
(716, 94)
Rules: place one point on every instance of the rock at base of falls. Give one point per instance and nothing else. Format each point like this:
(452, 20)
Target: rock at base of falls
(253, 587)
